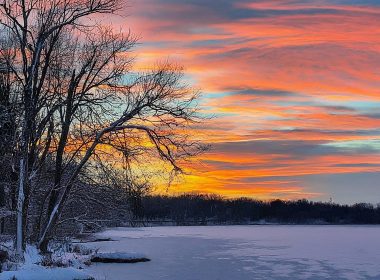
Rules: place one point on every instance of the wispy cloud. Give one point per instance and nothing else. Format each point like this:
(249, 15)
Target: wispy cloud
(294, 86)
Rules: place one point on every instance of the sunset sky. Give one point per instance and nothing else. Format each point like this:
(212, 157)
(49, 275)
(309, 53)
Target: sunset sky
(294, 87)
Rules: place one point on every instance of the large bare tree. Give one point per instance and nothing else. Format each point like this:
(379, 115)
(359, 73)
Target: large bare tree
(79, 97)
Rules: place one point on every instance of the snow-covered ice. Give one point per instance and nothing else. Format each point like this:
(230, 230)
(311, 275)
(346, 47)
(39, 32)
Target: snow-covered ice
(243, 252)
(225, 253)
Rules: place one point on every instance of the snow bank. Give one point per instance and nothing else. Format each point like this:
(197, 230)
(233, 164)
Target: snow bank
(37, 272)
(31, 269)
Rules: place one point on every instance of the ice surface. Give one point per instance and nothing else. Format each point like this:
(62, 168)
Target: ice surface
(225, 253)
(244, 252)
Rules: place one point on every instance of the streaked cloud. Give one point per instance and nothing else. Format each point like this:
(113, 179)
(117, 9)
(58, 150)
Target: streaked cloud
(294, 86)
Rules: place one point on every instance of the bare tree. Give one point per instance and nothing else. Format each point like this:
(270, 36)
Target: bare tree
(33, 24)
(80, 98)
(156, 108)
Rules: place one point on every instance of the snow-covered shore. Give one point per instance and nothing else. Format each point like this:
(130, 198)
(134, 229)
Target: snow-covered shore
(32, 270)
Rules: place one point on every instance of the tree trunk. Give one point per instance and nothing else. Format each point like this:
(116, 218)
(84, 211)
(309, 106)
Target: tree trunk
(22, 184)
(53, 217)
(2, 226)
(20, 208)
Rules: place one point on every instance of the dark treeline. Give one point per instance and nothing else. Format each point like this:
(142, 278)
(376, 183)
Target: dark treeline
(212, 209)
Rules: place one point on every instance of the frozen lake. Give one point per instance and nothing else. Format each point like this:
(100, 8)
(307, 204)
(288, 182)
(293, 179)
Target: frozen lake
(244, 252)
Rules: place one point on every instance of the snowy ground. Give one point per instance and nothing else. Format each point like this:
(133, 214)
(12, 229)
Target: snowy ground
(243, 252)
(31, 271)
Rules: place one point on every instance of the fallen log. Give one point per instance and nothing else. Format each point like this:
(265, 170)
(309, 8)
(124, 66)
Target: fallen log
(119, 258)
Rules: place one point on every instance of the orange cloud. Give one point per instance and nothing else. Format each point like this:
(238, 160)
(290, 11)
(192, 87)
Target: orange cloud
(288, 76)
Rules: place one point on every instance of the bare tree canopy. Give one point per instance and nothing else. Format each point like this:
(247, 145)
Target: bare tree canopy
(76, 101)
